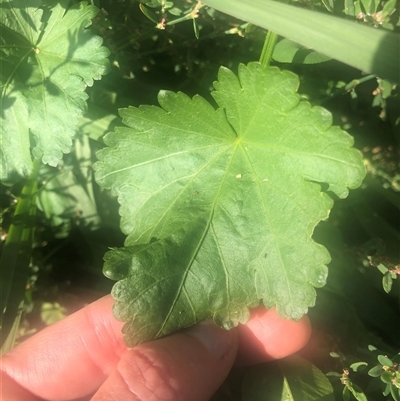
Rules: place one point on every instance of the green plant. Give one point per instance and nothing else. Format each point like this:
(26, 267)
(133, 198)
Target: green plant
(209, 212)
(221, 192)
(48, 59)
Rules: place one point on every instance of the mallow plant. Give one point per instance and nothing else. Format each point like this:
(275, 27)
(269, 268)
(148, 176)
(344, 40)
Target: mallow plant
(218, 202)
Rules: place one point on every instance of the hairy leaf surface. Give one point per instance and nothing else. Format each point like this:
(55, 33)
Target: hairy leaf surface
(219, 205)
(48, 59)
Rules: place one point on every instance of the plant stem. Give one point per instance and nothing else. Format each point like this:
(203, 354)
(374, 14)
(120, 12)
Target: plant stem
(268, 49)
(192, 15)
(349, 87)
(16, 256)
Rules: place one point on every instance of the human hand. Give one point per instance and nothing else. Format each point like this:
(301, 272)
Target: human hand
(83, 357)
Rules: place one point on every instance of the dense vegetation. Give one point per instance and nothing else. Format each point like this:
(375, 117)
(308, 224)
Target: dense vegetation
(257, 180)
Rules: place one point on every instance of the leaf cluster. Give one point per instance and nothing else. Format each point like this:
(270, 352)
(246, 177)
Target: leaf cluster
(49, 57)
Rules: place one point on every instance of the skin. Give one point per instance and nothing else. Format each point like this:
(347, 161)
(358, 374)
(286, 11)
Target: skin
(83, 357)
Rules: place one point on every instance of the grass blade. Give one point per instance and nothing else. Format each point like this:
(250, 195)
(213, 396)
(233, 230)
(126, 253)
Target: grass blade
(15, 259)
(369, 49)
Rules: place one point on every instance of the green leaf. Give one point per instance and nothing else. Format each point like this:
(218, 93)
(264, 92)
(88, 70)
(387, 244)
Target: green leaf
(389, 8)
(220, 205)
(149, 14)
(67, 193)
(49, 57)
(15, 259)
(154, 4)
(387, 377)
(384, 360)
(346, 394)
(369, 6)
(395, 392)
(358, 366)
(382, 268)
(387, 388)
(264, 381)
(329, 5)
(175, 11)
(368, 49)
(387, 281)
(349, 8)
(196, 29)
(292, 378)
(287, 51)
(305, 381)
(359, 395)
(376, 371)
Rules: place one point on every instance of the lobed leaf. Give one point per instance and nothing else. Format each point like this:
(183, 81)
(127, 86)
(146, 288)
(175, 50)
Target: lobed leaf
(220, 205)
(48, 60)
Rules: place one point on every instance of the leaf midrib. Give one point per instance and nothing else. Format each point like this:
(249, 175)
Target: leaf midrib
(200, 243)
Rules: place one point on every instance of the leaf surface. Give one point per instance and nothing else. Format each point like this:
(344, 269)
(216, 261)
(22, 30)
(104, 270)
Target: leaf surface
(48, 60)
(219, 205)
(287, 51)
(292, 378)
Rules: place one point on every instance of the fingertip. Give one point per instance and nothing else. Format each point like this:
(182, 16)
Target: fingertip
(189, 365)
(267, 336)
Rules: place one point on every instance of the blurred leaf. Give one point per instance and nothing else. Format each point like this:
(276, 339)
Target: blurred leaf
(370, 50)
(49, 57)
(67, 195)
(349, 8)
(52, 312)
(262, 382)
(8, 341)
(175, 11)
(196, 28)
(149, 14)
(384, 360)
(287, 51)
(346, 394)
(388, 8)
(16, 256)
(387, 377)
(369, 6)
(376, 371)
(96, 122)
(153, 4)
(358, 366)
(386, 392)
(395, 393)
(387, 281)
(358, 393)
(292, 378)
(305, 382)
(329, 5)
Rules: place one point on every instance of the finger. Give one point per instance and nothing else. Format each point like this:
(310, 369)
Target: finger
(186, 366)
(71, 358)
(267, 336)
(12, 391)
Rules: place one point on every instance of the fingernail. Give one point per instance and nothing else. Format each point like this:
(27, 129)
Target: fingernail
(218, 341)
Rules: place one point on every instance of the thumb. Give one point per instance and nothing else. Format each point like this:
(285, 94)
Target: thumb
(190, 365)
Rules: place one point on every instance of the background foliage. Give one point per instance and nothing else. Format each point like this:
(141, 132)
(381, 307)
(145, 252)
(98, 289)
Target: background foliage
(180, 46)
